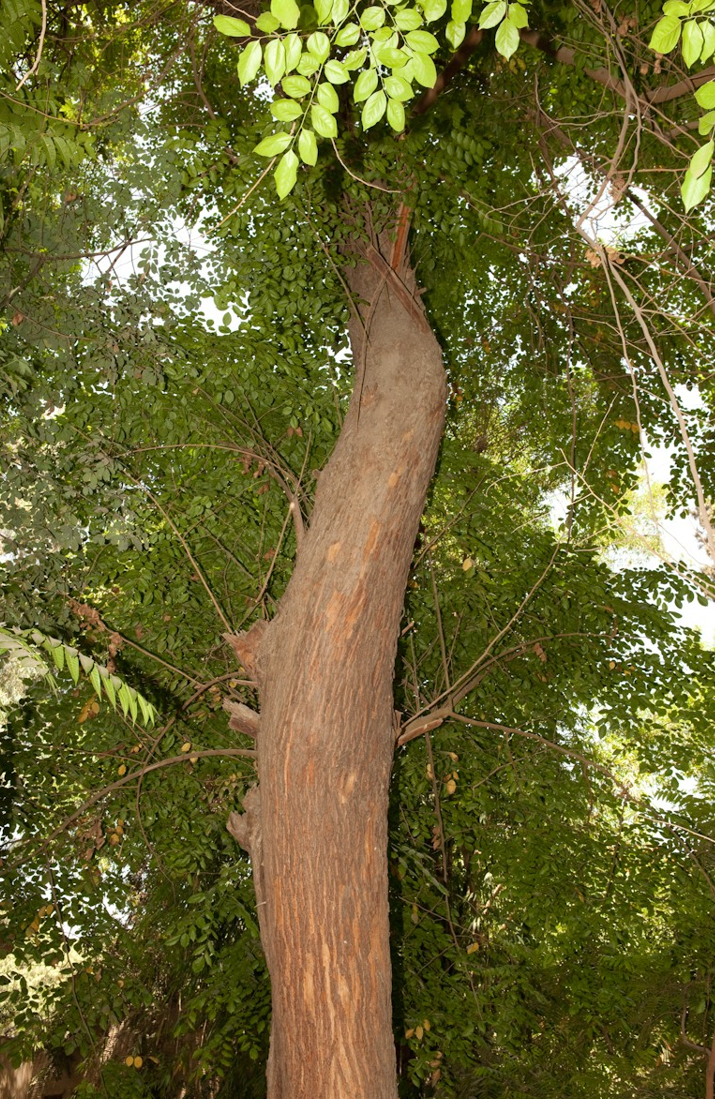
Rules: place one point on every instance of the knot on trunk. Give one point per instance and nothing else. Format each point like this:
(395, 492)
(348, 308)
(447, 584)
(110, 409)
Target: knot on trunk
(245, 827)
(242, 718)
(247, 646)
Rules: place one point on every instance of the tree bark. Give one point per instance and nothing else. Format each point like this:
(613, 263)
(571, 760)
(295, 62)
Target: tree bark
(317, 825)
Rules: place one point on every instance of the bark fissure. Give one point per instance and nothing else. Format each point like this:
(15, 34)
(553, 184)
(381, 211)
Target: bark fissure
(326, 730)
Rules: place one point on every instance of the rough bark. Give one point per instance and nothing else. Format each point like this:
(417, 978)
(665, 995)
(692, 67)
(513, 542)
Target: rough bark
(317, 832)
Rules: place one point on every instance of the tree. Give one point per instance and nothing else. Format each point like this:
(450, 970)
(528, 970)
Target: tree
(152, 457)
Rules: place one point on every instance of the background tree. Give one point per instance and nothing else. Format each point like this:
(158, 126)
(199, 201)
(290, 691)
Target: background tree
(551, 916)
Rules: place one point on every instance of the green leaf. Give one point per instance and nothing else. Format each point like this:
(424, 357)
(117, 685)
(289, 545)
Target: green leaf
(407, 19)
(147, 710)
(133, 703)
(125, 698)
(422, 41)
(705, 95)
(323, 121)
(293, 49)
(355, 58)
(341, 9)
(454, 33)
(365, 85)
(492, 14)
(695, 188)
(518, 15)
(286, 12)
(328, 97)
(433, 9)
(96, 681)
(701, 159)
(424, 70)
(236, 28)
(708, 40)
(296, 86)
(72, 663)
(336, 73)
(323, 9)
(398, 88)
(348, 35)
(111, 691)
(706, 123)
(286, 110)
(273, 144)
(58, 655)
(274, 60)
(308, 64)
(396, 115)
(507, 39)
(86, 662)
(374, 109)
(372, 18)
(267, 23)
(666, 34)
(319, 45)
(693, 42)
(676, 7)
(308, 147)
(390, 57)
(286, 173)
(461, 10)
(249, 62)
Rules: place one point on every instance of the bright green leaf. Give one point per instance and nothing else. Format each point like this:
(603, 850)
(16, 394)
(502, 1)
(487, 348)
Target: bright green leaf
(407, 19)
(365, 85)
(424, 70)
(286, 110)
(398, 88)
(666, 34)
(95, 680)
(374, 109)
(372, 18)
(328, 97)
(341, 9)
(296, 86)
(249, 62)
(236, 28)
(422, 41)
(323, 121)
(267, 23)
(693, 42)
(492, 14)
(461, 11)
(705, 95)
(518, 15)
(433, 9)
(286, 12)
(336, 73)
(274, 60)
(308, 147)
(396, 115)
(273, 144)
(348, 35)
(319, 45)
(293, 48)
(706, 123)
(702, 159)
(355, 58)
(454, 33)
(286, 173)
(507, 39)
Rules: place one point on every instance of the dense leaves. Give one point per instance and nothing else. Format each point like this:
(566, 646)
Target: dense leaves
(175, 371)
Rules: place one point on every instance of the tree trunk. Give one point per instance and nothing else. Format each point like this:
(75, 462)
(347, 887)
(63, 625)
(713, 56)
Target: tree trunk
(317, 825)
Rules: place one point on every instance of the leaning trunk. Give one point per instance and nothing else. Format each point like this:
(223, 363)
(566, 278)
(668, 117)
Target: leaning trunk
(317, 825)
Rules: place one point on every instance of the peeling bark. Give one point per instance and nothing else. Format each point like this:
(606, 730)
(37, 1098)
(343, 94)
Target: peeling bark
(318, 835)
